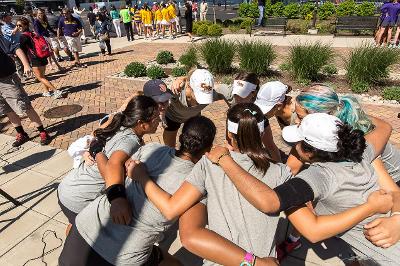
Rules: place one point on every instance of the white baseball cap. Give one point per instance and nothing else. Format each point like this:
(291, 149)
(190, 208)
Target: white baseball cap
(318, 129)
(270, 94)
(201, 81)
(243, 88)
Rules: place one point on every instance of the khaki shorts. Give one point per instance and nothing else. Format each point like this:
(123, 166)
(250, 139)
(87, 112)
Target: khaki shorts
(13, 96)
(74, 44)
(55, 43)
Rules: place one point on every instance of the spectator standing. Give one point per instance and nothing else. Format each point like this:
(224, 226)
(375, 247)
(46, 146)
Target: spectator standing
(261, 5)
(127, 20)
(203, 10)
(13, 98)
(92, 21)
(194, 10)
(116, 20)
(177, 18)
(189, 20)
(72, 29)
(77, 14)
(103, 33)
(38, 61)
(8, 29)
(57, 43)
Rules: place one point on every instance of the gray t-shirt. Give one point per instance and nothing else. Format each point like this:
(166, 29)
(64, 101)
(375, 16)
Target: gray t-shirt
(229, 213)
(179, 111)
(344, 185)
(391, 159)
(132, 244)
(225, 93)
(85, 183)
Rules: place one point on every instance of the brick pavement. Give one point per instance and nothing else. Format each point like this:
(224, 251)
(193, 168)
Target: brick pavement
(87, 88)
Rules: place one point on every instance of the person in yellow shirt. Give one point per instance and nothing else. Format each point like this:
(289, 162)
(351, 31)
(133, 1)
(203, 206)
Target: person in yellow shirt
(147, 20)
(166, 21)
(158, 18)
(137, 18)
(172, 14)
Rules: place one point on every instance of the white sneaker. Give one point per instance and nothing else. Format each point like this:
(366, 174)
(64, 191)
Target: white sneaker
(171, 37)
(161, 37)
(47, 94)
(57, 94)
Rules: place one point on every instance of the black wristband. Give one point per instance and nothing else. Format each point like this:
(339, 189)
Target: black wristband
(293, 193)
(115, 191)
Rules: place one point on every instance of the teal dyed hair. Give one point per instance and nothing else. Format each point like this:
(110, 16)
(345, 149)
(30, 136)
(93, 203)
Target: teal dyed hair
(322, 99)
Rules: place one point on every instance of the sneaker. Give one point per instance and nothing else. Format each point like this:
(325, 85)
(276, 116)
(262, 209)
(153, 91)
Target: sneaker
(57, 94)
(60, 59)
(44, 138)
(47, 94)
(286, 247)
(20, 139)
(171, 37)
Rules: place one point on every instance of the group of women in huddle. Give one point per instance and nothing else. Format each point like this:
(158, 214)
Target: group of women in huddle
(126, 195)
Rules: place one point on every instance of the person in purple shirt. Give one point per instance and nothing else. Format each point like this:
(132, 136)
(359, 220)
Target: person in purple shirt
(389, 13)
(72, 29)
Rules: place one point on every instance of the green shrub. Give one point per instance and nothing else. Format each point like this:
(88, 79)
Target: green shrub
(360, 87)
(268, 9)
(392, 93)
(202, 30)
(214, 30)
(238, 21)
(197, 24)
(366, 9)
(292, 10)
(278, 9)
(248, 10)
(325, 26)
(297, 26)
(255, 56)
(329, 70)
(155, 72)
(135, 69)
(218, 54)
(234, 29)
(247, 23)
(189, 59)
(306, 60)
(227, 23)
(369, 64)
(346, 8)
(306, 10)
(179, 72)
(326, 10)
(165, 57)
(284, 67)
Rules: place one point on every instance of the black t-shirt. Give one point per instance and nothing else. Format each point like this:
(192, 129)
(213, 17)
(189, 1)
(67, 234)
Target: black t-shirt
(6, 62)
(26, 44)
(92, 18)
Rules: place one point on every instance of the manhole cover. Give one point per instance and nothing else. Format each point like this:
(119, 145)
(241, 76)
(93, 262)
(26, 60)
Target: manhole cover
(62, 111)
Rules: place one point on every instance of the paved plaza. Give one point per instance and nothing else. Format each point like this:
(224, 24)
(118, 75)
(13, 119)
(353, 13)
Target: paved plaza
(33, 233)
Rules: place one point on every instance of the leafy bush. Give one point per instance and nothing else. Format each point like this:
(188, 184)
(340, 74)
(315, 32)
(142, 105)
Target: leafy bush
(255, 56)
(197, 24)
(135, 69)
(165, 57)
(278, 9)
(392, 93)
(268, 9)
(202, 30)
(248, 10)
(359, 87)
(292, 10)
(227, 23)
(326, 10)
(247, 23)
(218, 54)
(189, 59)
(366, 9)
(329, 70)
(155, 72)
(368, 64)
(346, 8)
(306, 60)
(234, 29)
(214, 30)
(297, 26)
(325, 26)
(179, 72)
(306, 10)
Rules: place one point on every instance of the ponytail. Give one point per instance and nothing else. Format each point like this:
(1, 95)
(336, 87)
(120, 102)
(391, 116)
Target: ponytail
(140, 108)
(350, 112)
(248, 136)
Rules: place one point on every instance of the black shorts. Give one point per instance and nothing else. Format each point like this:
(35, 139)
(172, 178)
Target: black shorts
(67, 212)
(77, 252)
(172, 125)
(39, 62)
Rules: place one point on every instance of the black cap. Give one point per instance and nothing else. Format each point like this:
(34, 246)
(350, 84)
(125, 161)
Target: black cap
(157, 89)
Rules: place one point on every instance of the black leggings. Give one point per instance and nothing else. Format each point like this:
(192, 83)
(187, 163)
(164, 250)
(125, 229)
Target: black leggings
(129, 30)
(108, 44)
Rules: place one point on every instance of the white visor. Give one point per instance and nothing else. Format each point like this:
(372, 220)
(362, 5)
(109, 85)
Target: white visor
(233, 127)
(243, 88)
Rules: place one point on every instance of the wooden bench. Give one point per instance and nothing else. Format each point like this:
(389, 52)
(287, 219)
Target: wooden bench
(273, 25)
(355, 23)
